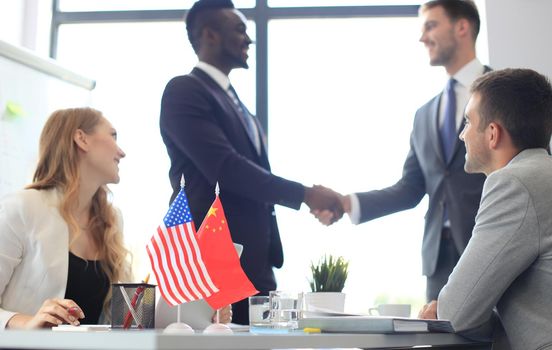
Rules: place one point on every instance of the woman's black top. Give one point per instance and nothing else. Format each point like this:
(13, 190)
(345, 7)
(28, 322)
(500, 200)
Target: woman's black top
(87, 285)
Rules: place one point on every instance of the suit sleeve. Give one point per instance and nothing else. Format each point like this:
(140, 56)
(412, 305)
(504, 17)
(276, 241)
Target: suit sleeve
(405, 194)
(188, 120)
(505, 242)
(11, 251)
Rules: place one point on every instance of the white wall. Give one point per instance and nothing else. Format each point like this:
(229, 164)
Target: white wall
(11, 19)
(519, 34)
(26, 23)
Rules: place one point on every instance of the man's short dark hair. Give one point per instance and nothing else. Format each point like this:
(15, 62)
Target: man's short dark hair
(203, 14)
(458, 9)
(521, 101)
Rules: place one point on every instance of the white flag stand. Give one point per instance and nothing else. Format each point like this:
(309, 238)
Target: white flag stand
(218, 328)
(178, 327)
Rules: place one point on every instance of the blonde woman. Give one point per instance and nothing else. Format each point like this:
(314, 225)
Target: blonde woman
(61, 243)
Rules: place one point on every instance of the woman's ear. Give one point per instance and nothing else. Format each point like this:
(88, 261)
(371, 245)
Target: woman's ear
(81, 140)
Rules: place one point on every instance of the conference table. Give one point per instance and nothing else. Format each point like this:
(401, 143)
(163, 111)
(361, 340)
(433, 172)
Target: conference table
(157, 340)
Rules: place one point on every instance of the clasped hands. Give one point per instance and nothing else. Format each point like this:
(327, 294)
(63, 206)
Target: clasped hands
(325, 204)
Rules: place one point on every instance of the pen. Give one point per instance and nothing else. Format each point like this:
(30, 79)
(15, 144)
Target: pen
(128, 317)
(74, 311)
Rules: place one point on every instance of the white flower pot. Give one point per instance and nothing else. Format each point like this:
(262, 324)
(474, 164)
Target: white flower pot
(325, 301)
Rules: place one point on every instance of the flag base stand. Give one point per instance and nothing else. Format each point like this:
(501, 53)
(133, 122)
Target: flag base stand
(178, 328)
(218, 328)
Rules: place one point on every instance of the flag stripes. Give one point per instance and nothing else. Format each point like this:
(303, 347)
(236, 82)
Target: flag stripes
(177, 264)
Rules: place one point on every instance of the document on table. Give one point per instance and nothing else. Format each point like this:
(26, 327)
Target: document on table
(82, 328)
(374, 324)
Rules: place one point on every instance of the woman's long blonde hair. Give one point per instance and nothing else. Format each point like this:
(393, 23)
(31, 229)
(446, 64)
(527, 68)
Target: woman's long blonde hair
(58, 168)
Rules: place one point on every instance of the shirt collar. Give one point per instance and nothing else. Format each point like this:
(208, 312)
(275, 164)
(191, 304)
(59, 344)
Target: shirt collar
(467, 74)
(219, 77)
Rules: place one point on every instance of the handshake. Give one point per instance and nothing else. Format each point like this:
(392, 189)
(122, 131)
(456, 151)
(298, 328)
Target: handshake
(325, 204)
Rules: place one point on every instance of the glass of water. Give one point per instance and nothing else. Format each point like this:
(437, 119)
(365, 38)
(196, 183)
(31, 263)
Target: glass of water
(285, 308)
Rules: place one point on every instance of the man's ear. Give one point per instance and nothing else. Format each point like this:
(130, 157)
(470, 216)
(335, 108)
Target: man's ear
(210, 36)
(463, 27)
(81, 140)
(495, 134)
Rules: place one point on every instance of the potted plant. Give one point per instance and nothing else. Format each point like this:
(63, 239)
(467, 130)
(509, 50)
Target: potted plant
(327, 282)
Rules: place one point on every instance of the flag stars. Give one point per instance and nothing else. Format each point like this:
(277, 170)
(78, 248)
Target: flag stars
(212, 212)
(179, 212)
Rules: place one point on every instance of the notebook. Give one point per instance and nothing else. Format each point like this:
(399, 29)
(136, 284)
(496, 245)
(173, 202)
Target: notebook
(374, 324)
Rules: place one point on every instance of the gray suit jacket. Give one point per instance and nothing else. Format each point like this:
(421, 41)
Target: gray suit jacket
(508, 261)
(426, 172)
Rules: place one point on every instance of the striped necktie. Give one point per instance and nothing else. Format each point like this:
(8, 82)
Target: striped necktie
(448, 129)
(247, 118)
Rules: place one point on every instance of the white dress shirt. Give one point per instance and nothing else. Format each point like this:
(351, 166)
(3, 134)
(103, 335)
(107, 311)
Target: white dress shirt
(224, 82)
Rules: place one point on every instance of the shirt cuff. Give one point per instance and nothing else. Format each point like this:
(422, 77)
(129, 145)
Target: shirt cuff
(354, 215)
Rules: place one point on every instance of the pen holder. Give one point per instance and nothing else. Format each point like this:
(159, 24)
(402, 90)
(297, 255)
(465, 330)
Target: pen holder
(139, 296)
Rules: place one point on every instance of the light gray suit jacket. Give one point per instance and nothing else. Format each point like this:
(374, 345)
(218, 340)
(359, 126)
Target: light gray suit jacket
(425, 171)
(508, 261)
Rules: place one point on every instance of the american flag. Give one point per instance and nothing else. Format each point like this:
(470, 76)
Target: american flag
(176, 259)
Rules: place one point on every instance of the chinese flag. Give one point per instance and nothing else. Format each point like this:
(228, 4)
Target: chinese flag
(221, 259)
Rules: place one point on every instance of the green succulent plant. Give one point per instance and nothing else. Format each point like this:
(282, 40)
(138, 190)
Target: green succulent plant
(329, 275)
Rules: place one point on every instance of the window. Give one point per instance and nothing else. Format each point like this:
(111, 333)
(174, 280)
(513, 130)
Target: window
(126, 5)
(299, 3)
(132, 66)
(340, 115)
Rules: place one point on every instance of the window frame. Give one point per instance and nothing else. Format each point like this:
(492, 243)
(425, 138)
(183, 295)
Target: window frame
(261, 14)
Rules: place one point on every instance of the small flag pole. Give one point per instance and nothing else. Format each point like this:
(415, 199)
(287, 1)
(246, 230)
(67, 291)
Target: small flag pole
(179, 327)
(217, 327)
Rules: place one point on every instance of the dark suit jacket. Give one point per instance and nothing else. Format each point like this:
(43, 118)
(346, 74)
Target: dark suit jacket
(207, 142)
(426, 172)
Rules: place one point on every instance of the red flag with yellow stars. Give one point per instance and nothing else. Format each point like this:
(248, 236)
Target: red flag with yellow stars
(222, 260)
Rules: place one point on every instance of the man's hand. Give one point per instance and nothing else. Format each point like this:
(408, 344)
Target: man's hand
(324, 202)
(429, 311)
(326, 217)
(225, 315)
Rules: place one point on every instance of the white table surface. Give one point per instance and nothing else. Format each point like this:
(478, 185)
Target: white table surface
(153, 340)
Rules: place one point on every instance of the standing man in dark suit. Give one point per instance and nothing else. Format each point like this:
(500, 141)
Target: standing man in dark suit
(210, 136)
(435, 162)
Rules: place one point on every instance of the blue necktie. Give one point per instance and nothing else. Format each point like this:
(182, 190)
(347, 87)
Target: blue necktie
(251, 128)
(448, 129)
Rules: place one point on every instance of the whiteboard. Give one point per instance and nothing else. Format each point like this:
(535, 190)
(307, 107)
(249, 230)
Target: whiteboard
(31, 88)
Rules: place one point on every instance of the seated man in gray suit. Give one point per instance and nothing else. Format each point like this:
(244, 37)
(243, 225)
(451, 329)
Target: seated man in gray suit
(507, 264)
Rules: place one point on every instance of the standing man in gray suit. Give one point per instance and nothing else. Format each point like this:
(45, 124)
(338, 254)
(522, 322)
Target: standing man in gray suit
(508, 261)
(435, 163)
